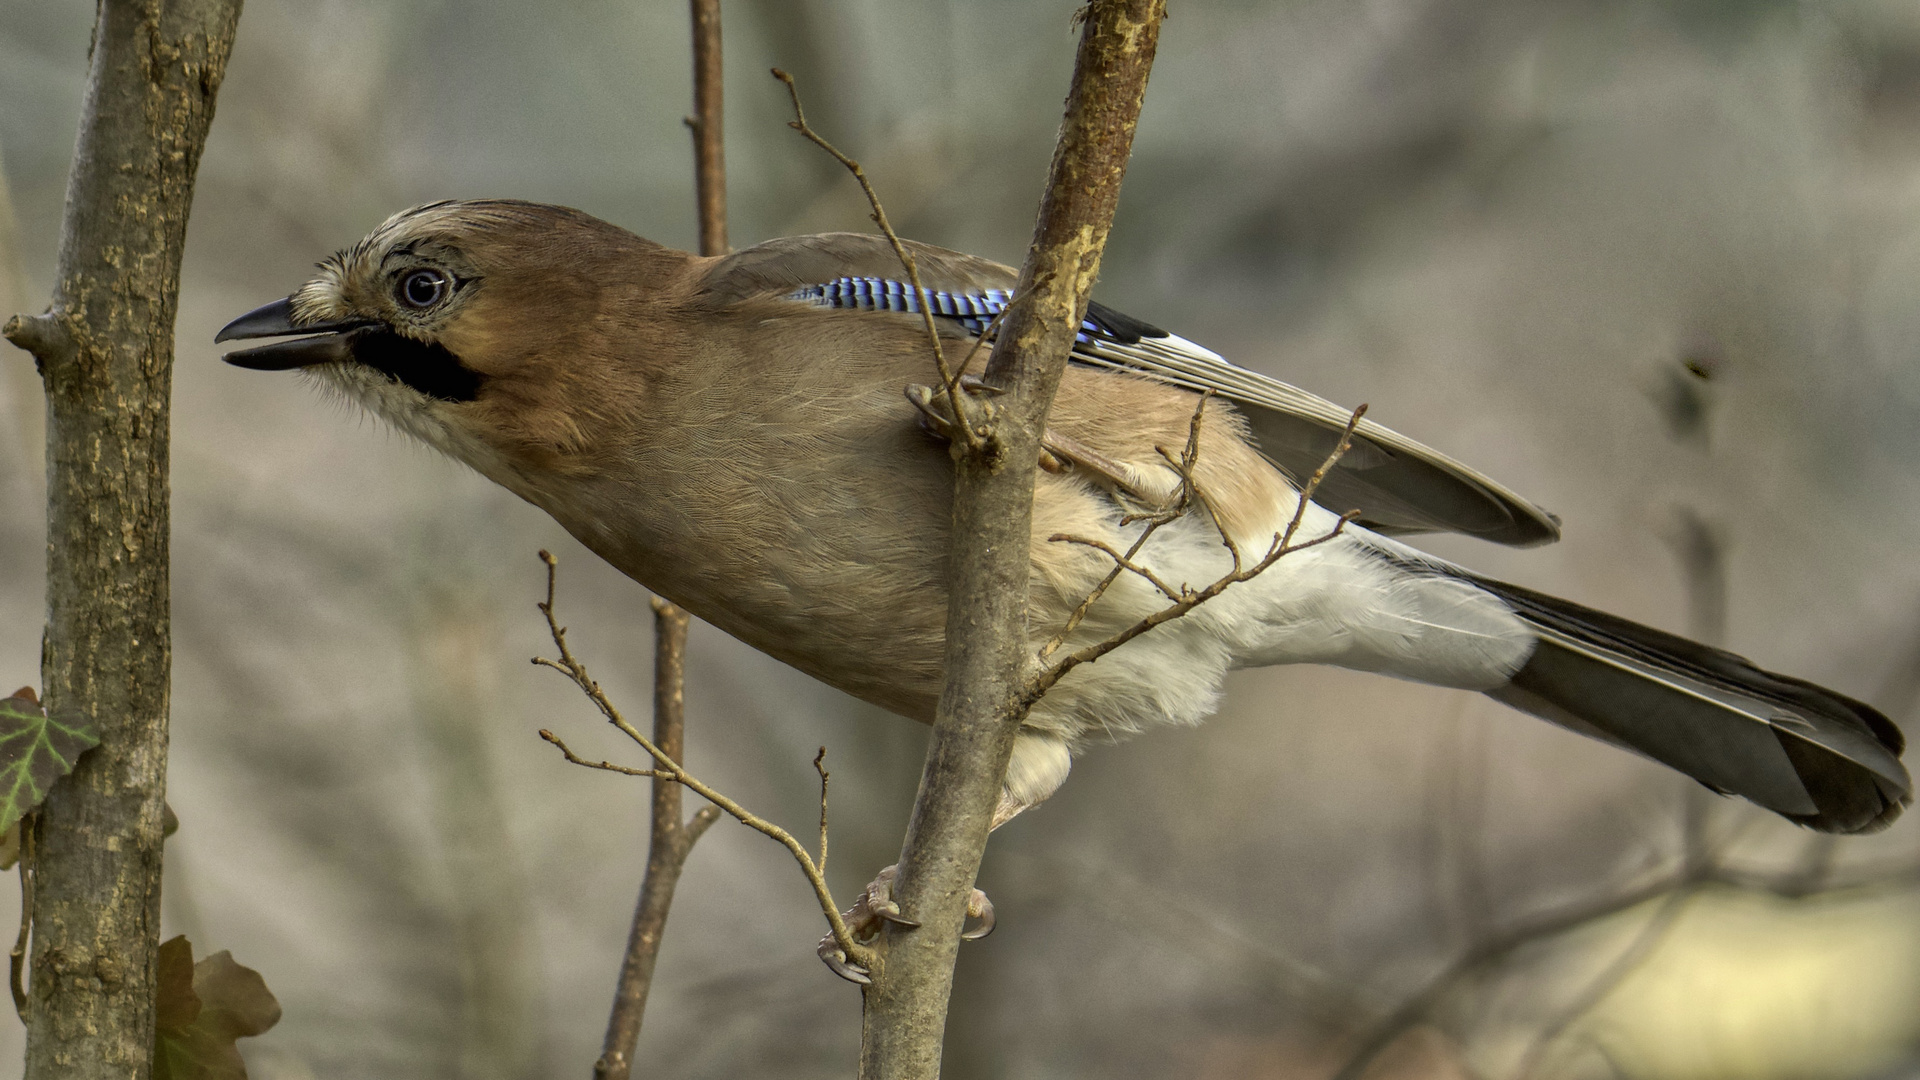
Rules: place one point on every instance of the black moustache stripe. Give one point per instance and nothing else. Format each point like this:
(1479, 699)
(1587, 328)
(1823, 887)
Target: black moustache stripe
(428, 368)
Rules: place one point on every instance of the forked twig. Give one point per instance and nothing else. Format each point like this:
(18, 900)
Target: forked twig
(1186, 599)
(949, 380)
(570, 666)
(1182, 498)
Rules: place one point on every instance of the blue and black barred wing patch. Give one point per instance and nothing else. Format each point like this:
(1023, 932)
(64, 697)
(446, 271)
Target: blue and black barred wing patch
(974, 311)
(1399, 485)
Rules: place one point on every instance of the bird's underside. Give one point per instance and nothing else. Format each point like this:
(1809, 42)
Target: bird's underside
(1362, 600)
(775, 479)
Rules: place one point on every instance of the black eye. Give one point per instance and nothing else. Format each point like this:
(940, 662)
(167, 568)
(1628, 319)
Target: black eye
(423, 288)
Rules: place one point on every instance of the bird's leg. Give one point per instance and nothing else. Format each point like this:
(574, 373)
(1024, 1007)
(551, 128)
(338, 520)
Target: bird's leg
(936, 405)
(876, 906)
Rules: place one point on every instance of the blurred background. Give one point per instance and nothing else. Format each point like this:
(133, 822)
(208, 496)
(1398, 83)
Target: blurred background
(1654, 263)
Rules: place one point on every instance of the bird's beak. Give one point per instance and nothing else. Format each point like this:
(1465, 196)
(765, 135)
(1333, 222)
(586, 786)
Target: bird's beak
(328, 343)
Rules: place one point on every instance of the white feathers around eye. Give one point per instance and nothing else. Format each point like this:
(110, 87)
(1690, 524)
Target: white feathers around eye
(323, 298)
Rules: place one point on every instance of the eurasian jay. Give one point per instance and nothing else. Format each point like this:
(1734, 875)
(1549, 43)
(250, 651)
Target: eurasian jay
(731, 433)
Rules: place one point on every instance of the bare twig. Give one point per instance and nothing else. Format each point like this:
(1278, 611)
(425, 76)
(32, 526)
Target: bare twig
(1186, 599)
(1183, 496)
(820, 766)
(1125, 562)
(949, 380)
(670, 840)
(1080, 613)
(709, 150)
(570, 666)
(605, 766)
(17, 959)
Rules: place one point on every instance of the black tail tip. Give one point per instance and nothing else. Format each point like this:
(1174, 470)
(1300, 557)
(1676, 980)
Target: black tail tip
(1850, 797)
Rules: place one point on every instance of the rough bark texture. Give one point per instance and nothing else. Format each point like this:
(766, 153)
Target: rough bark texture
(105, 351)
(987, 650)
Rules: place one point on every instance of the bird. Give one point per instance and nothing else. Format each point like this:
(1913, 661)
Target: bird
(751, 437)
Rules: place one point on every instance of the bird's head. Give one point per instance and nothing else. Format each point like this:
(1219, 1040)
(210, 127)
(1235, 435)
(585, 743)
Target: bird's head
(490, 329)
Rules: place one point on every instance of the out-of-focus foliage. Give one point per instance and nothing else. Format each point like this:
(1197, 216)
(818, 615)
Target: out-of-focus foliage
(201, 1009)
(1504, 224)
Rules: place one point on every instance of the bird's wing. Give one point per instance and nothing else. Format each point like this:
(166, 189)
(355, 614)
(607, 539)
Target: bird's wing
(1397, 484)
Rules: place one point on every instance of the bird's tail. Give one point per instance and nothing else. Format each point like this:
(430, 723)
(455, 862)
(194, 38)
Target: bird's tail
(1816, 757)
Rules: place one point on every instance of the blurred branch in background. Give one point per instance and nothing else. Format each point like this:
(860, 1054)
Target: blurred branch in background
(494, 1001)
(670, 839)
(1486, 956)
(26, 408)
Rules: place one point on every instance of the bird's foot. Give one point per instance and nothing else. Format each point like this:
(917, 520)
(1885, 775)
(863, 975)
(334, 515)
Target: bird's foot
(875, 907)
(936, 406)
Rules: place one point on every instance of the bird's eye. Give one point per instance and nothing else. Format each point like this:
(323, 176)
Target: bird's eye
(423, 288)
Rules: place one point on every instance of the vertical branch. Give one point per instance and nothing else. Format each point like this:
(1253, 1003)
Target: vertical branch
(105, 352)
(709, 152)
(672, 839)
(987, 651)
(671, 842)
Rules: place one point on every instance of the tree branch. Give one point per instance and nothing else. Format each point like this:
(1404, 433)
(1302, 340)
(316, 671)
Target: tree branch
(709, 150)
(670, 839)
(670, 842)
(1185, 599)
(969, 435)
(570, 666)
(987, 651)
(105, 351)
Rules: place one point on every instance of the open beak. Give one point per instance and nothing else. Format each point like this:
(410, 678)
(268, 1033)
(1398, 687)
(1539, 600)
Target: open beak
(329, 341)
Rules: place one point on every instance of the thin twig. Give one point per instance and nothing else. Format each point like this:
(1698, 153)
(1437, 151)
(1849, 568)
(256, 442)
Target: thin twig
(1182, 498)
(949, 381)
(606, 766)
(985, 335)
(709, 149)
(1189, 599)
(573, 669)
(1125, 562)
(1080, 613)
(820, 766)
(17, 959)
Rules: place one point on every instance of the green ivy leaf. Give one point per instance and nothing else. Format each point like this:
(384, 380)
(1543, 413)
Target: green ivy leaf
(201, 1009)
(35, 750)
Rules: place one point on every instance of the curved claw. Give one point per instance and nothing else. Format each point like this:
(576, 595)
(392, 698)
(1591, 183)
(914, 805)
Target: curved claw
(978, 906)
(831, 954)
(890, 911)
